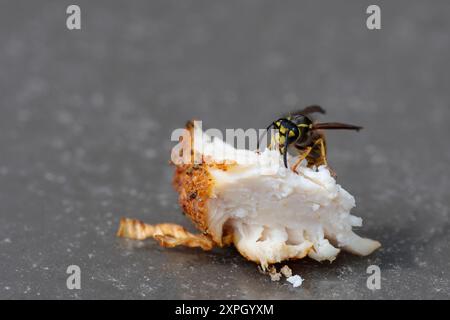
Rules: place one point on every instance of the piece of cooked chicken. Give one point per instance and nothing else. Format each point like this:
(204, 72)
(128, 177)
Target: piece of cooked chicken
(249, 199)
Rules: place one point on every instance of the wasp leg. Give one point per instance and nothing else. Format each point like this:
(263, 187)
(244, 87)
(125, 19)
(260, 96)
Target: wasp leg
(323, 155)
(167, 234)
(301, 158)
(323, 152)
(322, 160)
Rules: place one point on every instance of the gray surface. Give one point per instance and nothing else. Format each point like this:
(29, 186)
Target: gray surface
(85, 131)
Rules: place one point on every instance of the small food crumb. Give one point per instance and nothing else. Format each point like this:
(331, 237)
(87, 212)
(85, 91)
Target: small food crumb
(286, 271)
(295, 280)
(274, 275)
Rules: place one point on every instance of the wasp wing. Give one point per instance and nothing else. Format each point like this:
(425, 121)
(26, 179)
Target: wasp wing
(335, 125)
(306, 111)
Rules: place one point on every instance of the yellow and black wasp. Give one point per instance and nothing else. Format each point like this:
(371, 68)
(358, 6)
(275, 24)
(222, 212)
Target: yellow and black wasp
(298, 134)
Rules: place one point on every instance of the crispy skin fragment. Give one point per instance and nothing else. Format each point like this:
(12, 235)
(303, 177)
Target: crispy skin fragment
(167, 234)
(194, 184)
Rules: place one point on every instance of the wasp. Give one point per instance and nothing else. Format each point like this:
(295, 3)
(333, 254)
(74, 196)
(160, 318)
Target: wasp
(300, 135)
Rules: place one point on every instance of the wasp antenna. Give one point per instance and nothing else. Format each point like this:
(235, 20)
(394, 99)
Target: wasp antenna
(285, 149)
(335, 125)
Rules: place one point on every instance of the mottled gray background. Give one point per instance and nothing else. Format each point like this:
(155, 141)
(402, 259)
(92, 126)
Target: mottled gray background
(85, 127)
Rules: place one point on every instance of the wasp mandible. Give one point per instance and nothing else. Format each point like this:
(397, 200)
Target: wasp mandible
(298, 134)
